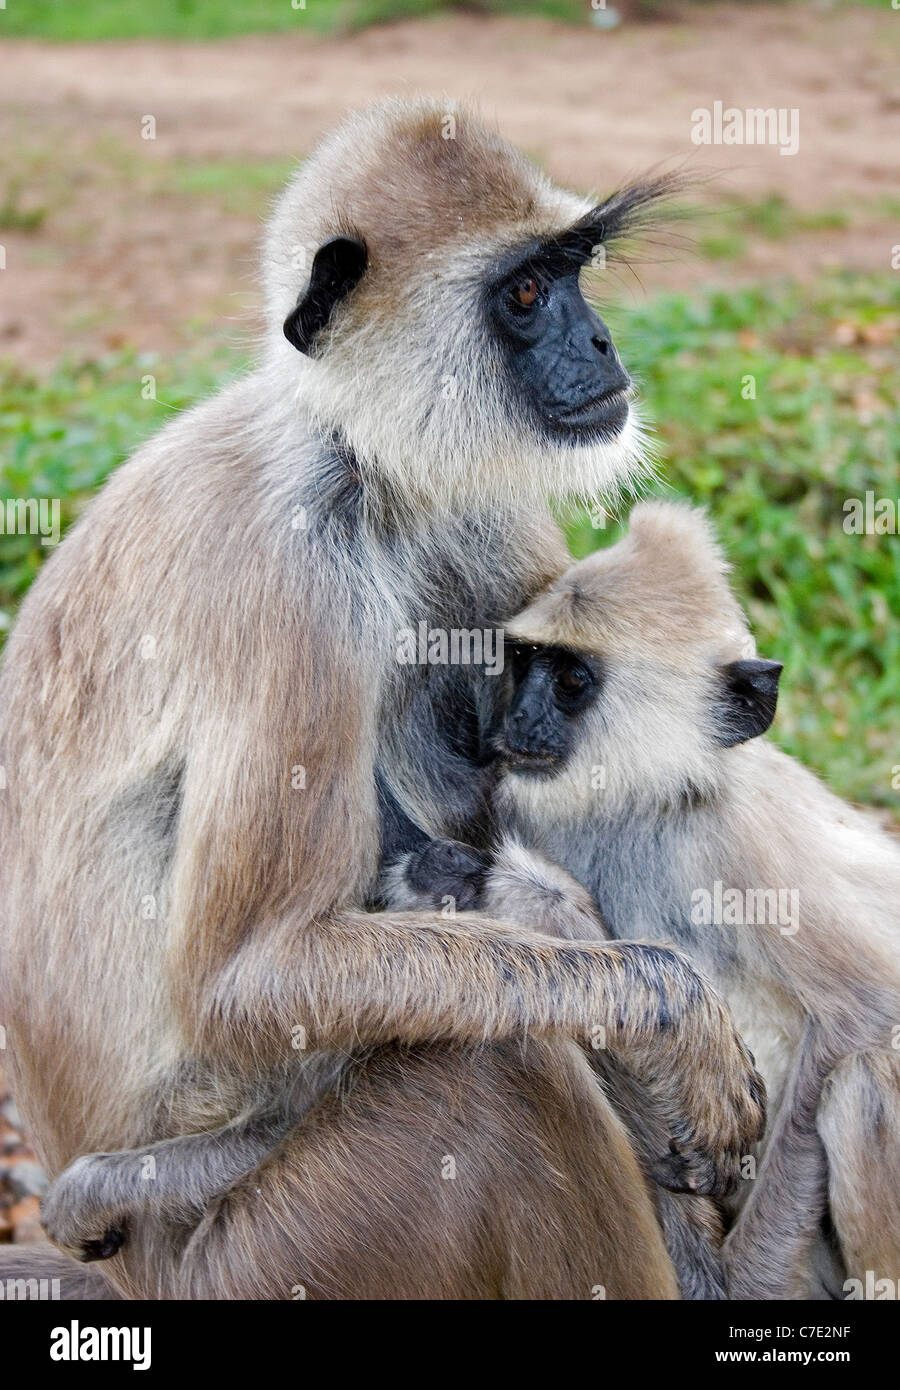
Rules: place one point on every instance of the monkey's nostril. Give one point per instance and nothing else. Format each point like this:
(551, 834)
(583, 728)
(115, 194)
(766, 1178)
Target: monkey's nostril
(601, 344)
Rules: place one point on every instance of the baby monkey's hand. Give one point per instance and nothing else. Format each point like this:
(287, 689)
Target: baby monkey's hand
(443, 874)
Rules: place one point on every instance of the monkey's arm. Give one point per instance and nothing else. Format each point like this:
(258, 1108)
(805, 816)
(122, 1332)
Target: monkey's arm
(526, 888)
(859, 1121)
(770, 1243)
(418, 979)
(523, 886)
(87, 1208)
(358, 978)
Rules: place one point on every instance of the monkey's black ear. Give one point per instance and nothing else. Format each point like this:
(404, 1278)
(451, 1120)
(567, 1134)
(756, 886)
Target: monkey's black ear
(746, 706)
(338, 267)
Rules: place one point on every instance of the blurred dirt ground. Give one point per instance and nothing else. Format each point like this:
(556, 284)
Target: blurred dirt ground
(113, 239)
(21, 1178)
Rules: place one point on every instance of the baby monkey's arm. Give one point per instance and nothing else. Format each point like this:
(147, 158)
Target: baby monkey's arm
(86, 1210)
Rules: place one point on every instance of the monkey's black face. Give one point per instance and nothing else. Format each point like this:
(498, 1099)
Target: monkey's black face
(561, 358)
(551, 689)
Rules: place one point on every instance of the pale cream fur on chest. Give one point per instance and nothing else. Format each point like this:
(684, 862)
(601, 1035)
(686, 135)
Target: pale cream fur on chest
(771, 1023)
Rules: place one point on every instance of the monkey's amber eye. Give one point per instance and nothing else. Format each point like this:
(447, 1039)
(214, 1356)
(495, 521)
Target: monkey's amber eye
(526, 292)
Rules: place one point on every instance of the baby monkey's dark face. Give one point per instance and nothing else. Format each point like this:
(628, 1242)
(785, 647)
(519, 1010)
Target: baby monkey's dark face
(549, 690)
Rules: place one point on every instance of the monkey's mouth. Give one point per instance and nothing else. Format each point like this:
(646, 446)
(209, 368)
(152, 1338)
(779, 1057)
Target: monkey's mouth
(604, 414)
(531, 764)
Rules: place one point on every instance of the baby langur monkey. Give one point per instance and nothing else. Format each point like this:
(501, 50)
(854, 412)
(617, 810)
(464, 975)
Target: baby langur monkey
(632, 769)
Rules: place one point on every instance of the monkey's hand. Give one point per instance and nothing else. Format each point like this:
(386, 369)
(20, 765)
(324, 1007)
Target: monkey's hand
(703, 1075)
(75, 1213)
(444, 874)
(681, 1043)
(702, 1065)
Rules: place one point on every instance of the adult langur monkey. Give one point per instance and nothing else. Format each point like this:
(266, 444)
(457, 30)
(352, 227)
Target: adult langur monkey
(206, 731)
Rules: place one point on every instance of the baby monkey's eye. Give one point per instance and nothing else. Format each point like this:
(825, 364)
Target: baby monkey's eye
(525, 292)
(571, 680)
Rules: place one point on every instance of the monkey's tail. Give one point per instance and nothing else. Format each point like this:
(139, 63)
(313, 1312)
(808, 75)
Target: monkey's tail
(66, 1278)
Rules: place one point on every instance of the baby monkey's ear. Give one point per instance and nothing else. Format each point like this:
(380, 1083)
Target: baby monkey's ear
(747, 700)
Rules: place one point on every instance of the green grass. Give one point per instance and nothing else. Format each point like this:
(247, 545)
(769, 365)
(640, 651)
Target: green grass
(176, 19)
(15, 216)
(239, 186)
(47, 181)
(739, 221)
(774, 217)
(774, 472)
(217, 19)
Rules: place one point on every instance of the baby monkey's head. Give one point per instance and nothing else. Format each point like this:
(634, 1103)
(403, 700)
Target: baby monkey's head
(633, 674)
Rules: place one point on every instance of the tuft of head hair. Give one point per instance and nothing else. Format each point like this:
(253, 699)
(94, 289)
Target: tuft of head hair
(408, 373)
(663, 587)
(632, 210)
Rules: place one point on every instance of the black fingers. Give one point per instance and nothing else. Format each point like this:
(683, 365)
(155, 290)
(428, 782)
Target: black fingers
(103, 1249)
(448, 869)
